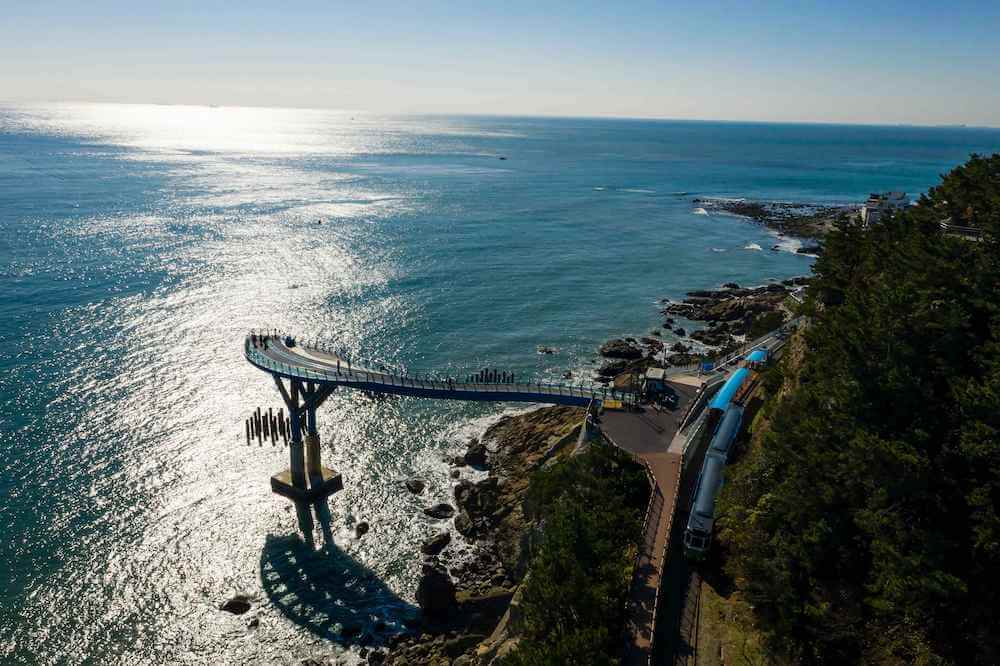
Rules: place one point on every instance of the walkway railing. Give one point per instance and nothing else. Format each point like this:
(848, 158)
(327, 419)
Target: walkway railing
(968, 232)
(348, 373)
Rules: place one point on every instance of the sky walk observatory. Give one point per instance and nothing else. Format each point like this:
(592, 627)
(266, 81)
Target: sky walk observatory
(306, 374)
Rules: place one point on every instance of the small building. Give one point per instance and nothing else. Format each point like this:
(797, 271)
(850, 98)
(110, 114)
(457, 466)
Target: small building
(882, 205)
(654, 383)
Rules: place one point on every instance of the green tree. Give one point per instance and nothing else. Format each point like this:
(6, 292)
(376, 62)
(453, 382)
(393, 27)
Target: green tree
(863, 526)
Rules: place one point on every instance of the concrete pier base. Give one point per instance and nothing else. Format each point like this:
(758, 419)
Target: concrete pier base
(319, 486)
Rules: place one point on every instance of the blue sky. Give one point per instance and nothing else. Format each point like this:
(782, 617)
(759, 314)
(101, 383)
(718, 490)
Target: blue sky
(890, 62)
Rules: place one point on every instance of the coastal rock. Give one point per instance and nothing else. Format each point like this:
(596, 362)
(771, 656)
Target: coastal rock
(682, 359)
(680, 348)
(730, 285)
(464, 525)
(440, 511)
(612, 368)
(458, 645)
(415, 486)
(711, 337)
(436, 543)
(680, 331)
(678, 310)
(477, 499)
(620, 349)
(652, 343)
(361, 529)
(237, 605)
(435, 591)
(476, 454)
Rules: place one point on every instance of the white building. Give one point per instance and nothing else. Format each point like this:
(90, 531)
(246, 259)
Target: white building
(880, 205)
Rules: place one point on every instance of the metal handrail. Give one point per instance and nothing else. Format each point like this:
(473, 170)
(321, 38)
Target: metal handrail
(384, 377)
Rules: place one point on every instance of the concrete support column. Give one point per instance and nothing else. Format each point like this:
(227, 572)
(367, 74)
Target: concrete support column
(314, 465)
(297, 462)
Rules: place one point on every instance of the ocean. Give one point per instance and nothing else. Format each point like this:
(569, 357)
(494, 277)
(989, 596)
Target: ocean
(139, 244)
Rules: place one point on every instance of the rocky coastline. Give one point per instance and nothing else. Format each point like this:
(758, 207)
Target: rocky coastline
(729, 316)
(467, 605)
(806, 221)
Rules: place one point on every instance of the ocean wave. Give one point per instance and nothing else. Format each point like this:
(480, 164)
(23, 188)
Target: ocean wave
(636, 190)
(752, 246)
(700, 211)
(718, 249)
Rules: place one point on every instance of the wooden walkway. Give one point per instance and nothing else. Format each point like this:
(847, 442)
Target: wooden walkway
(647, 435)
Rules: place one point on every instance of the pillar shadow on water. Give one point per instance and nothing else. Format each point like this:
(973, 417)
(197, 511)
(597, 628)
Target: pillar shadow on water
(326, 591)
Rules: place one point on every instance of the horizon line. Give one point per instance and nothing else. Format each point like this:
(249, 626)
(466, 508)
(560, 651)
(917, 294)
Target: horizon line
(526, 116)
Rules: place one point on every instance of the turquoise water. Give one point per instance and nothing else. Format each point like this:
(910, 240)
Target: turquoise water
(139, 243)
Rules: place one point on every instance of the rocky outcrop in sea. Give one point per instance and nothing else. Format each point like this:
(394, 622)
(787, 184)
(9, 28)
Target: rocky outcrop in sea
(467, 604)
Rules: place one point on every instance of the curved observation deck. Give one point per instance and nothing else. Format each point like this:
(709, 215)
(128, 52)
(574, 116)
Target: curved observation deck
(283, 356)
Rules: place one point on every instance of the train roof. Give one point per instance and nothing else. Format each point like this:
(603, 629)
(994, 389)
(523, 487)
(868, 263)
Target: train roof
(729, 389)
(757, 356)
(726, 432)
(708, 485)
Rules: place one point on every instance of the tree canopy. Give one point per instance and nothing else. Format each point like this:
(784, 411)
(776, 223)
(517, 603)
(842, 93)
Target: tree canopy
(863, 524)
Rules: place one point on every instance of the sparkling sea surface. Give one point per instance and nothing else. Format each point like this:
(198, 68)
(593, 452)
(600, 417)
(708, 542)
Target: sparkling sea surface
(140, 243)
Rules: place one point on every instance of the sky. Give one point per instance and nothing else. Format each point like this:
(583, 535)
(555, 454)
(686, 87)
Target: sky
(855, 62)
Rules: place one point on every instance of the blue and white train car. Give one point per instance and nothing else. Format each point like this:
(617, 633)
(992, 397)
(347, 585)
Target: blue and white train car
(701, 520)
(724, 437)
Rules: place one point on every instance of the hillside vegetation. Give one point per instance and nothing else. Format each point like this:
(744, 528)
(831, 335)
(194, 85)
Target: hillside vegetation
(573, 605)
(863, 526)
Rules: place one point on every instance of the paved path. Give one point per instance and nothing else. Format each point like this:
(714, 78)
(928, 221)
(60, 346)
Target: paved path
(647, 435)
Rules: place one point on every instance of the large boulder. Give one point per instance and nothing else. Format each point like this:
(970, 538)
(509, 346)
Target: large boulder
(620, 349)
(440, 511)
(711, 337)
(436, 543)
(435, 591)
(475, 456)
(415, 486)
(237, 605)
(478, 499)
(612, 368)
(653, 343)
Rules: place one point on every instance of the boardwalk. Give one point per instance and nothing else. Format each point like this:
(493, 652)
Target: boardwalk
(648, 435)
(329, 368)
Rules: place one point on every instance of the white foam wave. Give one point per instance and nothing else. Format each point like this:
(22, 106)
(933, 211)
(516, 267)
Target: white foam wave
(718, 249)
(752, 246)
(700, 211)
